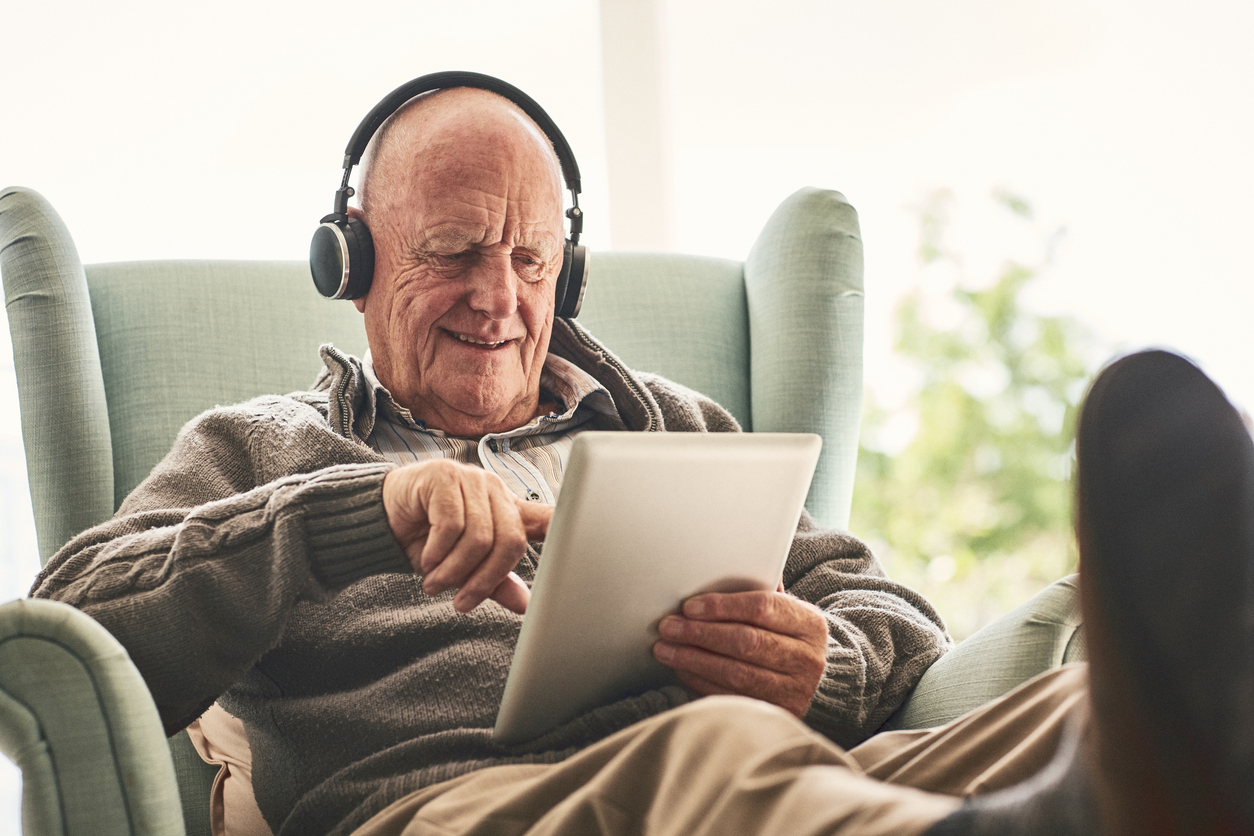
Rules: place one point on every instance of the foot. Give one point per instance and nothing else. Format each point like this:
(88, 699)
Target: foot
(1165, 527)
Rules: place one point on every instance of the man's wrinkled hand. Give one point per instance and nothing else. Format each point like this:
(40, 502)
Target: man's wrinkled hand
(767, 645)
(463, 529)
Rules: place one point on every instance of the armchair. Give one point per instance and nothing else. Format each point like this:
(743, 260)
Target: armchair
(113, 359)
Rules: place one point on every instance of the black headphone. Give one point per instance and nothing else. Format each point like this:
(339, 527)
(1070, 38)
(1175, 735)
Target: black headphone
(341, 254)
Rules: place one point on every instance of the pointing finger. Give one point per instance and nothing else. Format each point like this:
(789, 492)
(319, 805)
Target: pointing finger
(536, 517)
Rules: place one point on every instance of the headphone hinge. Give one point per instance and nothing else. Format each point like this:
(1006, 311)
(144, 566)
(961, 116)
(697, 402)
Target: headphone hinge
(576, 220)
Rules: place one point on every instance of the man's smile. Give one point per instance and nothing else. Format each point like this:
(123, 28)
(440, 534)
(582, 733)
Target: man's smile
(488, 344)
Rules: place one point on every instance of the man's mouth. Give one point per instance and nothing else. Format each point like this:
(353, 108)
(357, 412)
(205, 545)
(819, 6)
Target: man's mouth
(473, 341)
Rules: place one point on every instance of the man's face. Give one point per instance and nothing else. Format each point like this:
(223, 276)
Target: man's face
(468, 244)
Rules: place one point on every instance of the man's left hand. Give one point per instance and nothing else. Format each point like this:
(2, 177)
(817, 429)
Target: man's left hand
(767, 645)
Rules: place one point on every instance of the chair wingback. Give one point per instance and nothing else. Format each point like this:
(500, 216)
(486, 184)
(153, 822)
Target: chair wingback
(65, 419)
(804, 283)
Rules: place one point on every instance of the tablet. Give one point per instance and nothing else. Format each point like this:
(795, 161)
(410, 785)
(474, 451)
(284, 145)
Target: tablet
(644, 521)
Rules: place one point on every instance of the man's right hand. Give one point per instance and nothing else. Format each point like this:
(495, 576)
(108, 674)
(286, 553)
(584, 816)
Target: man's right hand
(462, 528)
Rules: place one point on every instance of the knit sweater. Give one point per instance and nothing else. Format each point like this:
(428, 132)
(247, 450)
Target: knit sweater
(255, 565)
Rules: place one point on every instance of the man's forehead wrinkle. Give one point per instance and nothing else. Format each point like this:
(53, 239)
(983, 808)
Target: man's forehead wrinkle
(452, 236)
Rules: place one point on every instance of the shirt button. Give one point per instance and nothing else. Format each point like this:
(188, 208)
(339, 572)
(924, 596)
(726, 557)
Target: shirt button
(533, 496)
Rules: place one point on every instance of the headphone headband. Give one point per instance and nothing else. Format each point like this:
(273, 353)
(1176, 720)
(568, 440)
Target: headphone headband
(457, 78)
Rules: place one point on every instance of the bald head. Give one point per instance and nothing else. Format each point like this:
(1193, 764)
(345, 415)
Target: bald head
(433, 128)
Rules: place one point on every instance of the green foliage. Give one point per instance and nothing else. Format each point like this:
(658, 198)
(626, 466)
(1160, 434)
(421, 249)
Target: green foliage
(974, 511)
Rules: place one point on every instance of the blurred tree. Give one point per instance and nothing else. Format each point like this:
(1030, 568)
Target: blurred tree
(974, 510)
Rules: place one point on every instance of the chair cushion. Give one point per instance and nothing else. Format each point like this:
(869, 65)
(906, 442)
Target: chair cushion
(76, 717)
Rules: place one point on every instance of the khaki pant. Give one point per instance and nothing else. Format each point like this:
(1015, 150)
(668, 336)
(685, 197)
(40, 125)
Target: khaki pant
(731, 765)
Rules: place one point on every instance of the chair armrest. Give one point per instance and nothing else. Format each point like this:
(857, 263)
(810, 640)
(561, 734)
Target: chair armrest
(1031, 639)
(77, 719)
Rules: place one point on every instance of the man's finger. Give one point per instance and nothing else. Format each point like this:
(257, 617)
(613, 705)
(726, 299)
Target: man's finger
(774, 611)
(773, 651)
(703, 687)
(735, 676)
(535, 518)
(511, 593)
(723, 675)
(509, 544)
(446, 519)
(474, 544)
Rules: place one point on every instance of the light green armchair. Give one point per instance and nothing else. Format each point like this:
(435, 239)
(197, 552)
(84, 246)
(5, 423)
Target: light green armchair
(113, 359)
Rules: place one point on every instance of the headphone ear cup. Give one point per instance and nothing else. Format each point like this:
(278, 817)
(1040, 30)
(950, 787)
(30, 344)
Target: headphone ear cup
(361, 259)
(341, 257)
(572, 281)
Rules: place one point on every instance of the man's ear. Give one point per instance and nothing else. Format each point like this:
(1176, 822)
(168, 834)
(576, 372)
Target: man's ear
(357, 214)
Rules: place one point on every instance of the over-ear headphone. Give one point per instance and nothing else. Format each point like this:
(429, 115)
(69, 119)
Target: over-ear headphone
(341, 254)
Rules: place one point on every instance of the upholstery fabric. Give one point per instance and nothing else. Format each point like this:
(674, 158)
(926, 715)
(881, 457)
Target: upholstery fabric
(196, 778)
(77, 719)
(174, 336)
(1041, 634)
(803, 279)
(644, 307)
(65, 423)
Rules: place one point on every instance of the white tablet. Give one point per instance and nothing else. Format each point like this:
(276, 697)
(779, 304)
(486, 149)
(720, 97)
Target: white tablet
(644, 521)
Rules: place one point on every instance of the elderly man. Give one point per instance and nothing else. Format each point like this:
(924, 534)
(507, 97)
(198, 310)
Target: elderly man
(321, 564)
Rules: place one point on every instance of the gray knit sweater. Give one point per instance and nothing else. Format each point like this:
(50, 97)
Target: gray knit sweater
(255, 565)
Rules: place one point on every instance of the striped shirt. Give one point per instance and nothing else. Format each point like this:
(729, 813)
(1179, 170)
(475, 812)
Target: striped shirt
(530, 459)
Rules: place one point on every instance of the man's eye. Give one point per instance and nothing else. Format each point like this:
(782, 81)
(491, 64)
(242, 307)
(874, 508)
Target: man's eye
(529, 268)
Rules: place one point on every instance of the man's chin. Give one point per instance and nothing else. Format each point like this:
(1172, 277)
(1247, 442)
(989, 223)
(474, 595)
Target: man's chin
(465, 414)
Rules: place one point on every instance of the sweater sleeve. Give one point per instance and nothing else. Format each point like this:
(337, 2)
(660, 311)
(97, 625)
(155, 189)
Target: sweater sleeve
(882, 636)
(196, 573)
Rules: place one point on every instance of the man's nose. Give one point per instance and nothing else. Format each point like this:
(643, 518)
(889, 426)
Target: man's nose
(494, 287)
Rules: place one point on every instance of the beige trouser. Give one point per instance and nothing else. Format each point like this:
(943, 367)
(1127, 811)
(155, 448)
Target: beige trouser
(731, 765)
